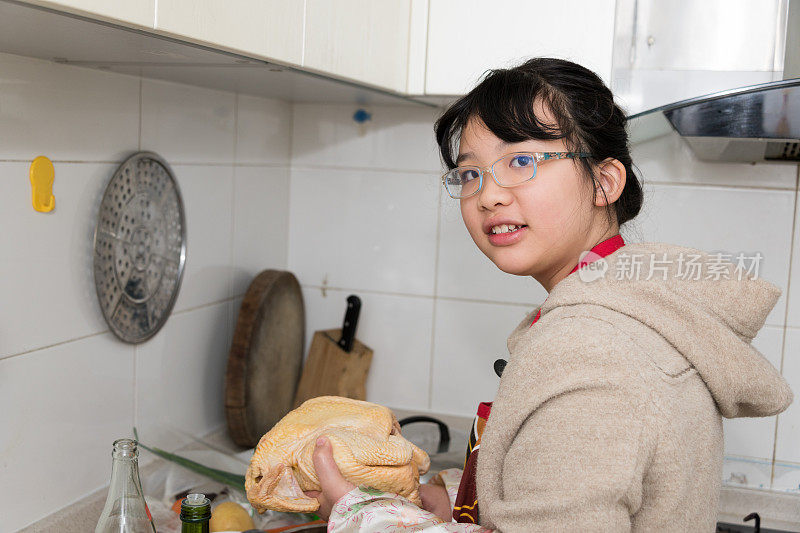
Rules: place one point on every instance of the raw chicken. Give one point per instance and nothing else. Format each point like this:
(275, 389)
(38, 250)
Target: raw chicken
(367, 447)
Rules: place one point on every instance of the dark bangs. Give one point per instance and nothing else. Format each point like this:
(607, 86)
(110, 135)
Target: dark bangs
(505, 102)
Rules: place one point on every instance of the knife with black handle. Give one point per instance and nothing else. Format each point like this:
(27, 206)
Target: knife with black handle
(350, 323)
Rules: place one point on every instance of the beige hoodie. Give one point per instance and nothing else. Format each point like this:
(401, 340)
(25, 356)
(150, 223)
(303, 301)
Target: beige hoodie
(608, 415)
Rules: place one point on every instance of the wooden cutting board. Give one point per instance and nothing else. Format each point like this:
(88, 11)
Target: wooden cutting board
(266, 356)
(330, 371)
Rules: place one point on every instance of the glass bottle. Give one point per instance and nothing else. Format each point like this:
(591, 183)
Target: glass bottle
(125, 510)
(195, 513)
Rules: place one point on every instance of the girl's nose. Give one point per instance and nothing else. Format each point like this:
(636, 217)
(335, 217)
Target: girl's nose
(492, 195)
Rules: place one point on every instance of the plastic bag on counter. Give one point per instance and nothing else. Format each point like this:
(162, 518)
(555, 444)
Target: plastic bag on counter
(168, 483)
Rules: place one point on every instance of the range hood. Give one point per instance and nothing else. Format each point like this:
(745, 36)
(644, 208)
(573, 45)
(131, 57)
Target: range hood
(759, 123)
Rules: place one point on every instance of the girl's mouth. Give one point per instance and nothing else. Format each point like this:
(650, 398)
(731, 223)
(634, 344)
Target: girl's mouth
(503, 235)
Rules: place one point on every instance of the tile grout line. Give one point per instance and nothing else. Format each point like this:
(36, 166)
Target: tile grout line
(427, 46)
(174, 163)
(785, 321)
(61, 161)
(290, 168)
(388, 170)
(135, 387)
(421, 296)
(203, 306)
(790, 464)
(667, 183)
(435, 301)
(303, 41)
(232, 232)
(408, 44)
(60, 343)
(103, 332)
(141, 83)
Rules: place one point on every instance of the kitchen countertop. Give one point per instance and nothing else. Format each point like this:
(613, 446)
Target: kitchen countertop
(778, 510)
(82, 516)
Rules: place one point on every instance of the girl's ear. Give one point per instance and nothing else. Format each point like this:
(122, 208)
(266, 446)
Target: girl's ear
(610, 176)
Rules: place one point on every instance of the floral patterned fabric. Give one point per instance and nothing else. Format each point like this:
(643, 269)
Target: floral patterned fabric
(365, 509)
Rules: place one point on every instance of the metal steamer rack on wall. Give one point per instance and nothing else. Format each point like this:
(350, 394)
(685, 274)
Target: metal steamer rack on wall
(139, 247)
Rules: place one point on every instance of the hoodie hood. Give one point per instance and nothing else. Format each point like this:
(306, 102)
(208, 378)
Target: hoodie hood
(705, 307)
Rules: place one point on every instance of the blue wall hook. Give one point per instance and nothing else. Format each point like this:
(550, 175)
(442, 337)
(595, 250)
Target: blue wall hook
(361, 116)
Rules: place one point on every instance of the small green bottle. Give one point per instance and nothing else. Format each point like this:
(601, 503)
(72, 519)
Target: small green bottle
(195, 513)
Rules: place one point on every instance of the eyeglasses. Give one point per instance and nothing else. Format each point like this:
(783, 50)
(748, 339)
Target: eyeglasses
(510, 170)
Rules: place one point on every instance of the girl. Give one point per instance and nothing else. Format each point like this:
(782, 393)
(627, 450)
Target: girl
(608, 414)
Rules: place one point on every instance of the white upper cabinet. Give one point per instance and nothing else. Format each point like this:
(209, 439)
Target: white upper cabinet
(468, 37)
(129, 12)
(265, 29)
(361, 40)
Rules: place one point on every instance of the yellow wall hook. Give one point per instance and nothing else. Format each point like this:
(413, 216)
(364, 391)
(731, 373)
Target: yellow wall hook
(42, 176)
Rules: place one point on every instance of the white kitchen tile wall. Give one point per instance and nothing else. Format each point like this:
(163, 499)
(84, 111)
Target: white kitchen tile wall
(468, 338)
(187, 124)
(363, 228)
(394, 138)
(52, 109)
(787, 444)
(180, 376)
(47, 258)
(263, 131)
(793, 311)
(62, 408)
(208, 201)
(233, 172)
(260, 222)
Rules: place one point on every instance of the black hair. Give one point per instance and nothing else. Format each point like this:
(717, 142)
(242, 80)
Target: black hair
(583, 107)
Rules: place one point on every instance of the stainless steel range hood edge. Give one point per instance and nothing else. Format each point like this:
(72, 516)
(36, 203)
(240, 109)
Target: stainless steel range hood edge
(758, 123)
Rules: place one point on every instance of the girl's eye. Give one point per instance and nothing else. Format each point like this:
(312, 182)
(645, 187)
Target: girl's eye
(468, 174)
(522, 161)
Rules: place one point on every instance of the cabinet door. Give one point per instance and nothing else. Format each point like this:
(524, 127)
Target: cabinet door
(468, 37)
(362, 40)
(267, 29)
(131, 12)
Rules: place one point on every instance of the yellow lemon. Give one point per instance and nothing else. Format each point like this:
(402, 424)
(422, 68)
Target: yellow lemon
(230, 516)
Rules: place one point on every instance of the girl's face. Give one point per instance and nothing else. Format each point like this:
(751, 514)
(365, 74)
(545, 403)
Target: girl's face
(554, 213)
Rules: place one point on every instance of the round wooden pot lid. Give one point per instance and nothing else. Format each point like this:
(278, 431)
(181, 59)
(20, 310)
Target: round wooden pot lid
(266, 356)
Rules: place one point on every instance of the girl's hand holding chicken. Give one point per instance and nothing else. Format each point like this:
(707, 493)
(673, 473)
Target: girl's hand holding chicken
(335, 486)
